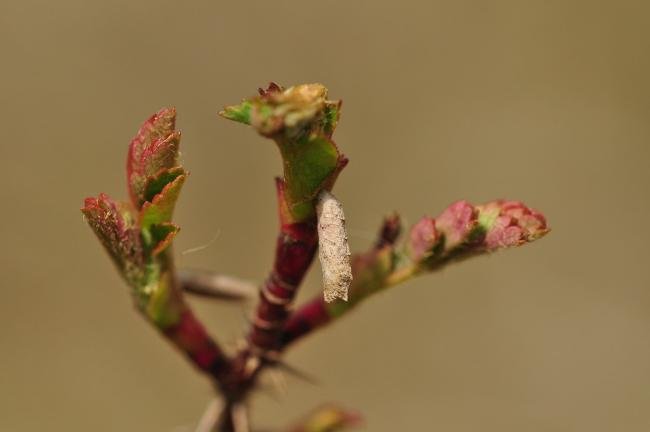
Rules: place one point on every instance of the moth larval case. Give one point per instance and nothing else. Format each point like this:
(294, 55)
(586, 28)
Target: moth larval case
(333, 248)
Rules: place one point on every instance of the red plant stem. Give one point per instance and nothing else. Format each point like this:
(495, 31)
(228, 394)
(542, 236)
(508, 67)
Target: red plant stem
(315, 313)
(309, 317)
(295, 249)
(190, 337)
(226, 422)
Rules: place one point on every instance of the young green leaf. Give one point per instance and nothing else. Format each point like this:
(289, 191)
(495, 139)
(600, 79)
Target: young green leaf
(161, 207)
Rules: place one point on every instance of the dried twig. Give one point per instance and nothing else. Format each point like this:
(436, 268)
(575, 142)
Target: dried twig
(210, 417)
(240, 418)
(215, 285)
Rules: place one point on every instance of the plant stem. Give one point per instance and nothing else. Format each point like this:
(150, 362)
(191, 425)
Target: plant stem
(295, 249)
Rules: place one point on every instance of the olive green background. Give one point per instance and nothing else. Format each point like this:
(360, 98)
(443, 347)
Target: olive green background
(544, 101)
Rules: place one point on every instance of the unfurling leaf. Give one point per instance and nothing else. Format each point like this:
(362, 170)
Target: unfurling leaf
(155, 184)
(423, 239)
(298, 110)
(509, 223)
(240, 113)
(301, 121)
(154, 148)
(162, 236)
(114, 225)
(161, 207)
(456, 224)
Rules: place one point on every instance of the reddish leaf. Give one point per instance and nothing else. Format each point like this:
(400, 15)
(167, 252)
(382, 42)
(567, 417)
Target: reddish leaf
(113, 224)
(456, 224)
(423, 238)
(155, 147)
(510, 223)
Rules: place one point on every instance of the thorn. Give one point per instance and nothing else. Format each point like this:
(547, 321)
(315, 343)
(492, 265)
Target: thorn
(278, 381)
(295, 372)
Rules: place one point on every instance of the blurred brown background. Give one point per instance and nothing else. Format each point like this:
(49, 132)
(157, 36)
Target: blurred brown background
(544, 101)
